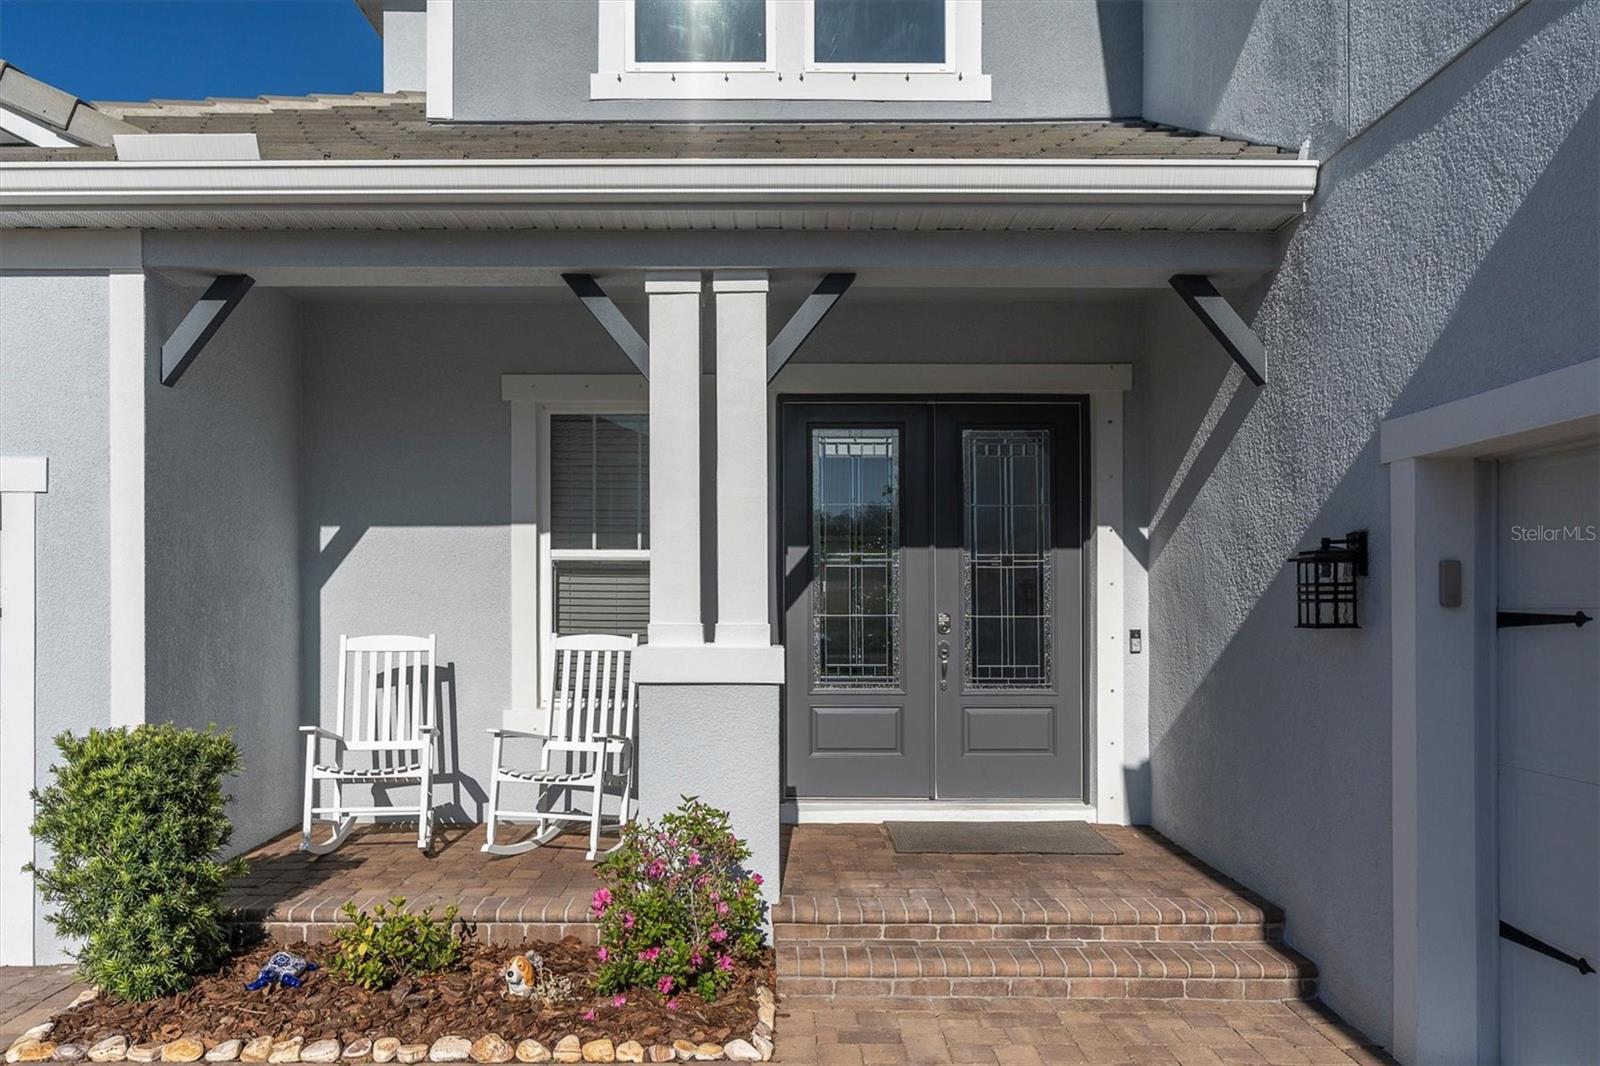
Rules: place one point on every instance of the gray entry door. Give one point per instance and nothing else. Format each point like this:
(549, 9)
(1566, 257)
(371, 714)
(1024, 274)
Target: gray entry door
(933, 598)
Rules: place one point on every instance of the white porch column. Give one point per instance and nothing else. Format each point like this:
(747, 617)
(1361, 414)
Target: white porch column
(674, 458)
(743, 555)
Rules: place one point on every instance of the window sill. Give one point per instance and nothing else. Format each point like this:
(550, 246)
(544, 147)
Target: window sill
(885, 86)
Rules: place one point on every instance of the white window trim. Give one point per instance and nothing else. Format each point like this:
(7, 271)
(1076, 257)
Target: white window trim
(534, 398)
(632, 64)
(791, 72)
(22, 480)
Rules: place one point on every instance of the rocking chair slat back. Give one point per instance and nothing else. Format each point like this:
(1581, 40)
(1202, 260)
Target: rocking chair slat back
(590, 690)
(386, 692)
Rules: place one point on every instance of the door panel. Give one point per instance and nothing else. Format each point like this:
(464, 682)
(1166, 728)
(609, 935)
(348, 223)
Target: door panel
(1008, 573)
(1548, 755)
(855, 572)
(933, 598)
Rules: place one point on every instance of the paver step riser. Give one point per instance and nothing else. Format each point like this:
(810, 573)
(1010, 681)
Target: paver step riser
(814, 910)
(1256, 990)
(788, 932)
(510, 933)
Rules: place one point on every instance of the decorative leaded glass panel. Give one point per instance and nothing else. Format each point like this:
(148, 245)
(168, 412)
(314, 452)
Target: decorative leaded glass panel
(855, 542)
(1005, 557)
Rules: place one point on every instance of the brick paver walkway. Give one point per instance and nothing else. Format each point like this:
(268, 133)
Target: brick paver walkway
(863, 1032)
(31, 994)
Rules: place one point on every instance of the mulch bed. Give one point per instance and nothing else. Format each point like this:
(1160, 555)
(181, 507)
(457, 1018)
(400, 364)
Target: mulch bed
(467, 1000)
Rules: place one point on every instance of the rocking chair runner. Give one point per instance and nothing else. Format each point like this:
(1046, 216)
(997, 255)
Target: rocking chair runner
(386, 716)
(589, 726)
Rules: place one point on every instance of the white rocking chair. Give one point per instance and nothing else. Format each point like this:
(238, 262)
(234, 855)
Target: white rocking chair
(588, 721)
(386, 713)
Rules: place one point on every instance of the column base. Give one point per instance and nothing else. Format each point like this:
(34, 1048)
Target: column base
(707, 664)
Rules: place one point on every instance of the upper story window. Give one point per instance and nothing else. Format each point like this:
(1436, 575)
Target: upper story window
(889, 50)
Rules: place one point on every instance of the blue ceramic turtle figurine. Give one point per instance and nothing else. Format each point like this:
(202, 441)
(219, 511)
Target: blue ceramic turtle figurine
(282, 969)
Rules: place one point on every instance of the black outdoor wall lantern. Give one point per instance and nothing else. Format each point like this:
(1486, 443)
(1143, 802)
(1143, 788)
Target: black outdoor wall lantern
(1325, 582)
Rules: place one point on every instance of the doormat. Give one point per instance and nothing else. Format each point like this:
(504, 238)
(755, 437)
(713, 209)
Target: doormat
(998, 838)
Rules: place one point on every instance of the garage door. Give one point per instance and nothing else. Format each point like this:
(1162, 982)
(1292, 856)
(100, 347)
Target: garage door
(1548, 756)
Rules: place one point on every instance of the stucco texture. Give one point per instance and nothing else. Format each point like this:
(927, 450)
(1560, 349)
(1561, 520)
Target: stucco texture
(56, 407)
(522, 61)
(222, 586)
(1451, 248)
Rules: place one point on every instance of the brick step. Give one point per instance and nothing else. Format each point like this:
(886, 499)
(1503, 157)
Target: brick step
(1229, 918)
(1151, 970)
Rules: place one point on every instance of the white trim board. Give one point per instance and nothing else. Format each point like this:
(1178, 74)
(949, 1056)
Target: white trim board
(1440, 503)
(871, 811)
(127, 367)
(21, 481)
(440, 59)
(37, 134)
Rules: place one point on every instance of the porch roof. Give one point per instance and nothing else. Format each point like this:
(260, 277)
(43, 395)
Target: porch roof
(394, 126)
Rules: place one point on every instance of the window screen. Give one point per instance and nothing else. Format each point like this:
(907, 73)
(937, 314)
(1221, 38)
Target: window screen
(600, 481)
(700, 31)
(879, 31)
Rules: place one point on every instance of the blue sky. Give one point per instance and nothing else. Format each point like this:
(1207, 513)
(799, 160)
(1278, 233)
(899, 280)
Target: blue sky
(188, 49)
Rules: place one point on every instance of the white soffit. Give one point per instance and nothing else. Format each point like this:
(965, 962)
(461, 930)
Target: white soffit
(1175, 194)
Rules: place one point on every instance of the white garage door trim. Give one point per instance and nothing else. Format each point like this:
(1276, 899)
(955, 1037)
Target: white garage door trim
(21, 480)
(1441, 498)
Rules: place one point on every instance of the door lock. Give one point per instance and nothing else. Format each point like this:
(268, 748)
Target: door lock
(944, 664)
(943, 621)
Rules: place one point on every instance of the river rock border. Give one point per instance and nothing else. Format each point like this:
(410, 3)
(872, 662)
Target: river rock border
(35, 1045)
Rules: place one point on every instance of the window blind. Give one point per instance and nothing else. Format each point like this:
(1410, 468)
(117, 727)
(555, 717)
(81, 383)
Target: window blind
(599, 481)
(602, 597)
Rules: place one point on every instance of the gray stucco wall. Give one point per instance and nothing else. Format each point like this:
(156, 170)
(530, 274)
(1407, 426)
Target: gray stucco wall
(525, 61)
(222, 534)
(1452, 248)
(53, 402)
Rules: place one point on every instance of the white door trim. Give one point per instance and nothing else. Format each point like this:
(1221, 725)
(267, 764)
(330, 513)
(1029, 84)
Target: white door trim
(1442, 851)
(21, 482)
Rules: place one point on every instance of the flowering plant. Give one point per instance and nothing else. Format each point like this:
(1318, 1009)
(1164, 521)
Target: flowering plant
(676, 907)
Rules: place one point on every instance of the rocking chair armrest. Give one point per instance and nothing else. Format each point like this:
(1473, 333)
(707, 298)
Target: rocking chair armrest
(318, 731)
(428, 729)
(613, 738)
(515, 734)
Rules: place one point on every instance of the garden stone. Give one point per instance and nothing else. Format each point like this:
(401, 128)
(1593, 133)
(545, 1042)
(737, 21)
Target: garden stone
(532, 1051)
(385, 1048)
(69, 1052)
(491, 1049)
(183, 1049)
(661, 1053)
(768, 1015)
(601, 1050)
(256, 1050)
(111, 1049)
(144, 1052)
(88, 995)
(741, 1051)
(685, 1049)
(568, 1049)
(287, 1049)
(357, 1049)
(450, 1049)
(708, 1052)
(630, 1051)
(37, 1032)
(763, 1044)
(227, 1051)
(30, 1049)
(321, 1051)
(409, 1053)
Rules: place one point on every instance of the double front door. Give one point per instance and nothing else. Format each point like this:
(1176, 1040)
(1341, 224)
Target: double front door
(933, 599)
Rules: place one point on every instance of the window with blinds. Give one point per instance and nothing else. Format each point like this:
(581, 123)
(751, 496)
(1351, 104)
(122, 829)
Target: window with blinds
(600, 523)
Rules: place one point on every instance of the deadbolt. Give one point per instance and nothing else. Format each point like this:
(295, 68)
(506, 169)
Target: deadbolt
(943, 621)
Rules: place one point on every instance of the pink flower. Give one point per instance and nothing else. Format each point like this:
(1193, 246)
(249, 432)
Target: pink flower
(722, 908)
(588, 1015)
(664, 986)
(696, 958)
(602, 900)
(694, 858)
(756, 878)
(655, 870)
(602, 954)
(649, 954)
(718, 934)
(627, 920)
(672, 1004)
(619, 1001)
(725, 962)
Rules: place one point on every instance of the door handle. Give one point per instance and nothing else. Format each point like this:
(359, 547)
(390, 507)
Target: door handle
(944, 664)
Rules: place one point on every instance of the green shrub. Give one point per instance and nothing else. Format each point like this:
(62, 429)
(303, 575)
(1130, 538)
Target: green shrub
(135, 822)
(376, 950)
(677, 908)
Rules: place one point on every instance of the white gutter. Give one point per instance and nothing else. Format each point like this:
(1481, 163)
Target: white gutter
(31, 186)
